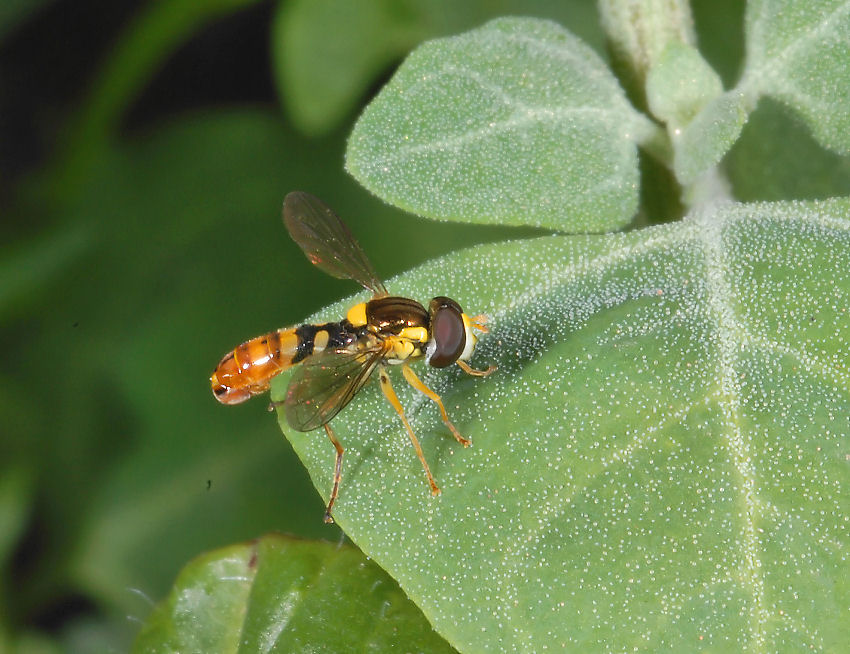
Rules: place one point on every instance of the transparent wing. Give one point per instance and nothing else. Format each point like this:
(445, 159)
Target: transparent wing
(325, 383)
(327, 242)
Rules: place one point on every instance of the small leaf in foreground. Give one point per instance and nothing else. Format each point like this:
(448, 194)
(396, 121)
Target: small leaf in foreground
(517, 122)
(280, 594)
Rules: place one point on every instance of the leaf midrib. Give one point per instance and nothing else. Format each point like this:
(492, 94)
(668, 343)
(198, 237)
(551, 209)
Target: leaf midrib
(522, 117)
(728, 326)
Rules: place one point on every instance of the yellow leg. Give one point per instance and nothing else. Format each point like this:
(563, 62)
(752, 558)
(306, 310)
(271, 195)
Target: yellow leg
(337, 473)
(469, 370)
(389, 393)
(414, 381)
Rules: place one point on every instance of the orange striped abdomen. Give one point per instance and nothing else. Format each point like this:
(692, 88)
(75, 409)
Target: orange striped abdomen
(249, 369)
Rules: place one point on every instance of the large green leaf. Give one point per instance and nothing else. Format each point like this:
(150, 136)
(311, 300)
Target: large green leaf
(659, 463)
(517, 122)
(797, 52)
(285, 595)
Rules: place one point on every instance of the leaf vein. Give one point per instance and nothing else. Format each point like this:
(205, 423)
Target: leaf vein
(529, 116)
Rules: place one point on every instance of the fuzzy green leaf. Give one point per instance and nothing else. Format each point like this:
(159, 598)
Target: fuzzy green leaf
(798, 52)
(516, 122)
(285, 595)
(684, 91)
(660, 461)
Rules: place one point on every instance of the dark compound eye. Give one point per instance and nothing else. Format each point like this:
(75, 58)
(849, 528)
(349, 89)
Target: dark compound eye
(448, 333)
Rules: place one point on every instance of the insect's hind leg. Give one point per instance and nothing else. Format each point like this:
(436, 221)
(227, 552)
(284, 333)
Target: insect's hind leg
(389, 393)
(419, 385)
(337, 466)
(337, 472)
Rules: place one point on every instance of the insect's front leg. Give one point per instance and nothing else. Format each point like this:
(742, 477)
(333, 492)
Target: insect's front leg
(389, 393)
(419, 385)
(469, 370)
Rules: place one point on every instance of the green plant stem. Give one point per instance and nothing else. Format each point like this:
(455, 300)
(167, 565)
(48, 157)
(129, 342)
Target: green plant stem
(710, 188)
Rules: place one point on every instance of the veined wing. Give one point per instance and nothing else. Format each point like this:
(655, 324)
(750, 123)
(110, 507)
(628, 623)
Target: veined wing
(327, 242)
(325, 383)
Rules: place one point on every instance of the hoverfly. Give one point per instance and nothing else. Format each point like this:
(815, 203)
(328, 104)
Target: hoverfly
(338, 358)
